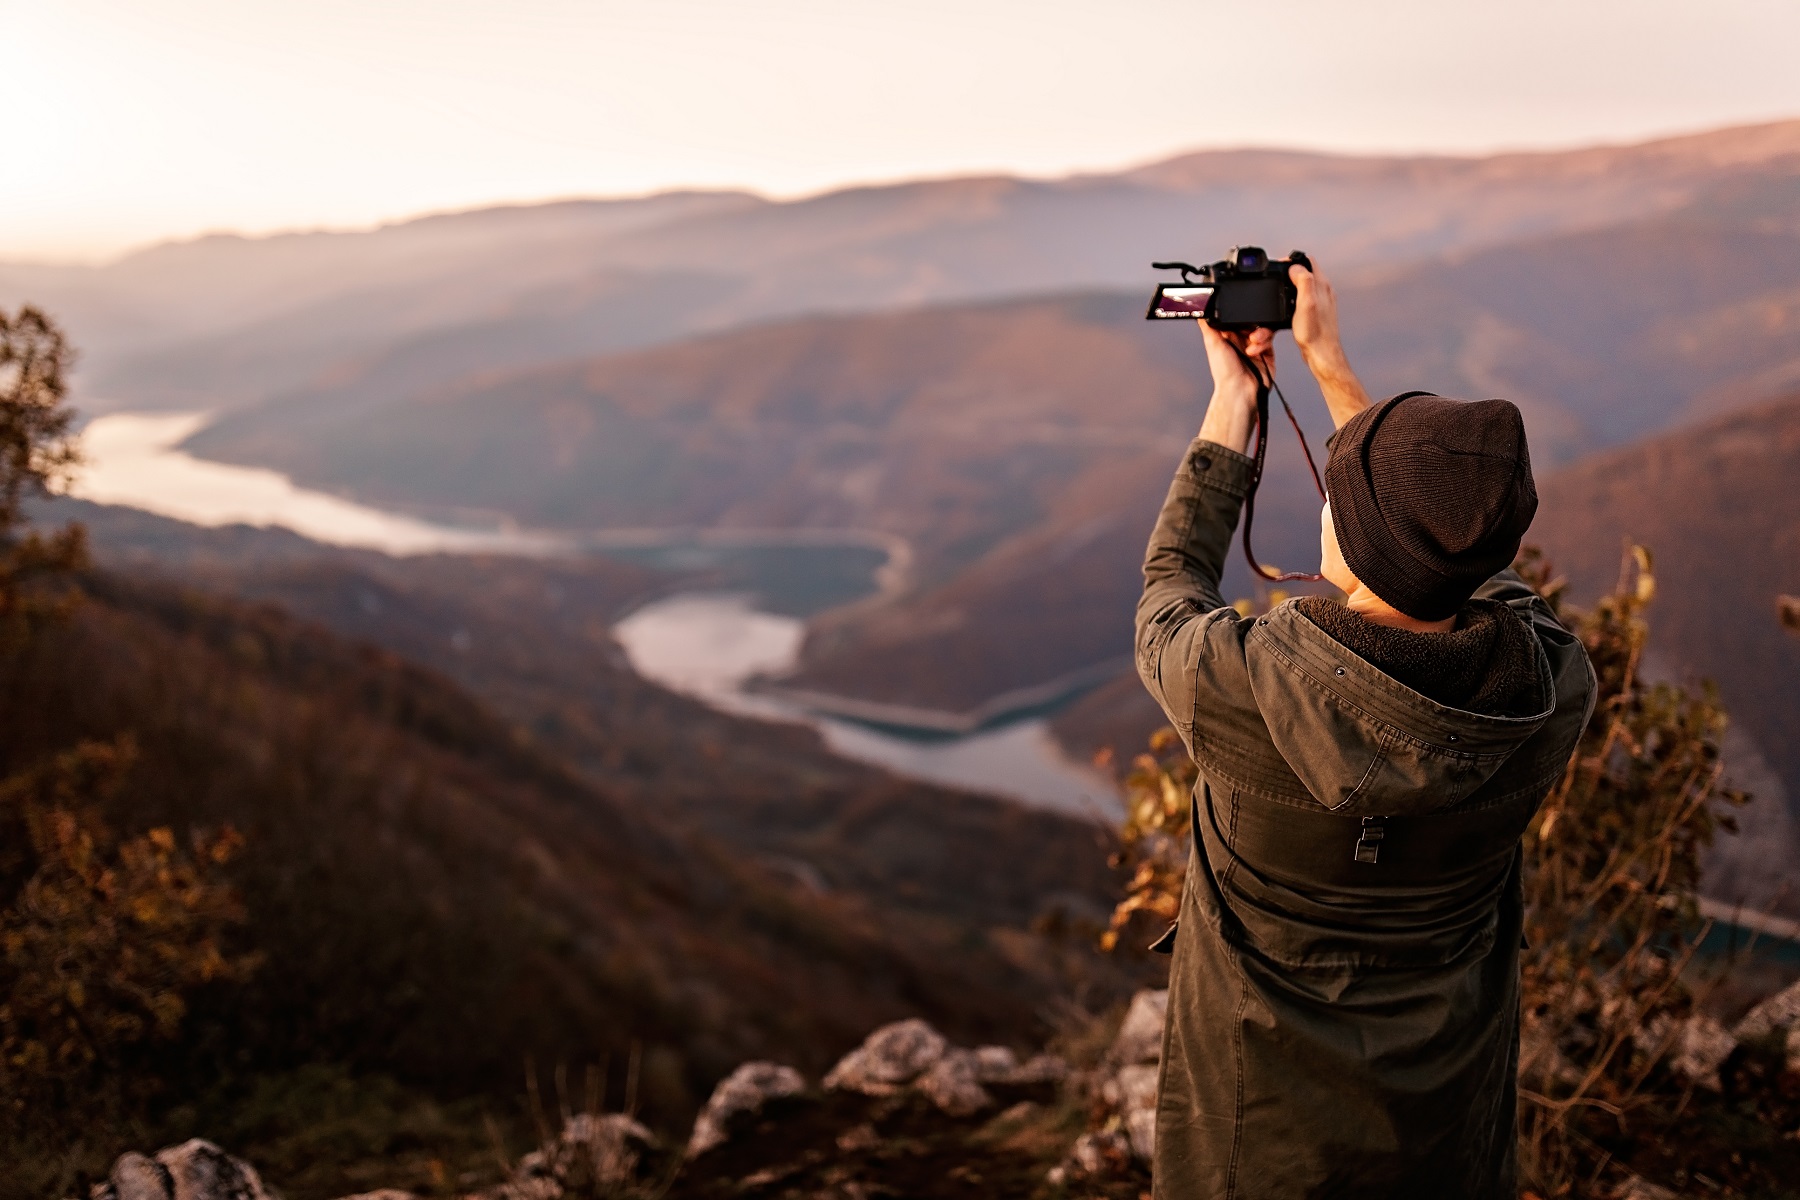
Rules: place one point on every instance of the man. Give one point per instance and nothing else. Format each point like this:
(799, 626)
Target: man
(1344, 993)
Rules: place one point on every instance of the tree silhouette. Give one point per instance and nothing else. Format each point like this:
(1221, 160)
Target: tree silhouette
(101, 937)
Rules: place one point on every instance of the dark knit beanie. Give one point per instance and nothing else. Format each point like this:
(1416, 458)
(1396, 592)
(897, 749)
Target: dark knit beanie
(1430, 497)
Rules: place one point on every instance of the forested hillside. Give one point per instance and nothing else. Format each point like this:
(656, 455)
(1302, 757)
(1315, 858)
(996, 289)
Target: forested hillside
(1719, 504)
(435, 897)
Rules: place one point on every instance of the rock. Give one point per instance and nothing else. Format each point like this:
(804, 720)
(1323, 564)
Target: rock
(592, 1153)
(135, 1177)
(1780, 1011)
(745, 1090)
(194, 1170)
(1140, 1131)
(1639, 1188)
(953, 1084)
(892, 1057)
(1101, 1152)
(1140, 1036)
(202, 1171)
(1039, 1068)
(382, 1194)
(1697, 1047)
(1701, 1050)
(1793, 1049)
(1132, 1093)
(997, 1064)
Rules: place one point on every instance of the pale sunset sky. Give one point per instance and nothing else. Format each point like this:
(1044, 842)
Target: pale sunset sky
(131, 121)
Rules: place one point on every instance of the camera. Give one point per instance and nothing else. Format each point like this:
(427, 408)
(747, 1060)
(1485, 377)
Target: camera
(1244, 290)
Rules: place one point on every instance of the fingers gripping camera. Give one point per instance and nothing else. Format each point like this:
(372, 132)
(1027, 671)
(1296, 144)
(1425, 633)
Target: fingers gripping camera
(1244, 290)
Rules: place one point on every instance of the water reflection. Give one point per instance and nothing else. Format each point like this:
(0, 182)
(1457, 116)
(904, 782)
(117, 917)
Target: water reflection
(132, 460)
(710, 645)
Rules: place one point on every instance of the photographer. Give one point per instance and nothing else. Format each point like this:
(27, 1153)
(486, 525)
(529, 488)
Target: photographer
(1344, 994)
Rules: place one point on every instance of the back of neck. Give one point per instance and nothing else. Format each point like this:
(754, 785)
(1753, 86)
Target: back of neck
(1374, 609)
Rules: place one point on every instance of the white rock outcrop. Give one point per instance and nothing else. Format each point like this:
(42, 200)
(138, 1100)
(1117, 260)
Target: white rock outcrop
(1127, 1082)
(889, 1059)
(1697, 1046)
(1098, 1152)
(999, 1065)
(1141, 1034)
(1780, 1011)
(954, 1084)
(911, 1054)
(745, 1090)
(1132, 1091)
(194, 1170)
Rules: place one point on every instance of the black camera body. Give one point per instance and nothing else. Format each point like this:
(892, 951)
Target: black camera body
(1245, 290)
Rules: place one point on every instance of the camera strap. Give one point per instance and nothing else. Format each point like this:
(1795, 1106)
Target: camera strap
(1264, 384)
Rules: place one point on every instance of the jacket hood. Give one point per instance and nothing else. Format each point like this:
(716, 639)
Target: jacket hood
(1361, 741)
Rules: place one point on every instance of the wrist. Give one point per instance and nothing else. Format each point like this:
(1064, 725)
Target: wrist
(1230, 419)
(1327, 361)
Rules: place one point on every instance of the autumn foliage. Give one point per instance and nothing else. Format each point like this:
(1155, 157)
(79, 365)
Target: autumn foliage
(102, 937)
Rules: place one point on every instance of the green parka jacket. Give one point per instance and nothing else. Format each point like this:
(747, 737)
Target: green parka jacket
(1343, 1012)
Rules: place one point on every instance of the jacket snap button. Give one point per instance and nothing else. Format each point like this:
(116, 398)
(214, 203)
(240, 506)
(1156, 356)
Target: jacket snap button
(1453, 737)
(1340, 670)
(1202, 463)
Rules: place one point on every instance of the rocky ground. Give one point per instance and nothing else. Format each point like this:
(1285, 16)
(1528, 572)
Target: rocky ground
(907, 1114)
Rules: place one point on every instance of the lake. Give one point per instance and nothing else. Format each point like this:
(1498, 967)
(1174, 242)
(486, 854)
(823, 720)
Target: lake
(706, 644)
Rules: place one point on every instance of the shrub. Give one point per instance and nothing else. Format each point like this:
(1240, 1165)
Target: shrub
(101, 938)
(1612, 889)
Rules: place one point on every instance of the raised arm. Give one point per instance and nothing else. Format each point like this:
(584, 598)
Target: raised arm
(1316, 334)
(1186, 556)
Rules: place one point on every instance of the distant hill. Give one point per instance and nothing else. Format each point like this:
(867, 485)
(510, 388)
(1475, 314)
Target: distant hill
(1719, 506)
(1021, 446)
(225, 321)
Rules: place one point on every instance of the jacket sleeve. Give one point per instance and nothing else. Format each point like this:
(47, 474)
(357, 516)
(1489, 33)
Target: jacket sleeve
(1182, 621)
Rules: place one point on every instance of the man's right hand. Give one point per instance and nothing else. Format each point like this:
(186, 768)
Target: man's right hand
(1316, 333)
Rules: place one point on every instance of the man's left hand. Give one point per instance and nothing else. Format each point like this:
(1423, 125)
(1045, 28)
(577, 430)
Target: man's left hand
(1231, 414)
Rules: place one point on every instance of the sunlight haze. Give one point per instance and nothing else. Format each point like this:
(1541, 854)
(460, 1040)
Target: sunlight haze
(134, 122)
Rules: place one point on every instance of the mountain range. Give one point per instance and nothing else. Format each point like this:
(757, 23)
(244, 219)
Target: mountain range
(953, 365)
(225, 321)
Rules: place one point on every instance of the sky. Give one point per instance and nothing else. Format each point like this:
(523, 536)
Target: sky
(131, 121)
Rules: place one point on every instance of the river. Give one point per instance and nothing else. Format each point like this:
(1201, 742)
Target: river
(708, 645)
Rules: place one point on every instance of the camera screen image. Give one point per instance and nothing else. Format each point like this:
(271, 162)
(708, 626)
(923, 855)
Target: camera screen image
(1178, 301)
